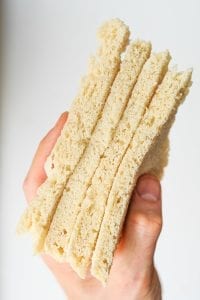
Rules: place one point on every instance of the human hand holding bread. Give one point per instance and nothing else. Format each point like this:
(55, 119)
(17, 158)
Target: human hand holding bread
(92, 206)
(133, 274)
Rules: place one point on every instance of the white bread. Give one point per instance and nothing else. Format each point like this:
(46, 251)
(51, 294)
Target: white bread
(75, 136)
(155, 123)
(88, 223)
(117, 129)
(65, 216)
(87, 106)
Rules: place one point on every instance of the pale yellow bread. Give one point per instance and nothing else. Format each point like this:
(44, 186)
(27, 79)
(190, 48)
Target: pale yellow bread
(65, 216)
(117, 129)
(157, 158)
(88, 105)
(153, 129)
(84, 235)
(75, 136)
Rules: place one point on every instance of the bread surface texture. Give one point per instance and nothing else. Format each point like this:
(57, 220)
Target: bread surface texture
(154, 125)
(88, 223)
(83, 116)
(70, 204)
(117, 129)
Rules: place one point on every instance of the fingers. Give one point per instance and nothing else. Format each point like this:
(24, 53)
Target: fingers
(36, 174)
(143, 223)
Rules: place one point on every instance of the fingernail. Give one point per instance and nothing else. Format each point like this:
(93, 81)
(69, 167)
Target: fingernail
(148, 188)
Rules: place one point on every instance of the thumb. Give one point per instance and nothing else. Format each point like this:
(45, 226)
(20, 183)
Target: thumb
(143, 223)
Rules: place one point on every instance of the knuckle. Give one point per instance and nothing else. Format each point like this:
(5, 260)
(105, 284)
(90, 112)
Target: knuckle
(151, 223)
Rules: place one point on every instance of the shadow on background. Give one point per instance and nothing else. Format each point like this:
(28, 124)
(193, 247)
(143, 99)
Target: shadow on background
(2, 38)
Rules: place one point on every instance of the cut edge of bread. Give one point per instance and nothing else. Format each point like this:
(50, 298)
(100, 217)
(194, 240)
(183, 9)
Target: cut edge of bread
(85, 232)
(65, 216)
(159, 116)
(87, 106)
(82, 119)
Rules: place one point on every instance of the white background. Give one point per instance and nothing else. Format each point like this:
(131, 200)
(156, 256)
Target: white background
(46, 45)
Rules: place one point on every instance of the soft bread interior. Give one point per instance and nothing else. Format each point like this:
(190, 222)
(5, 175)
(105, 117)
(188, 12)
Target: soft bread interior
(75, 136)
(117, 129)
(83, 239)
(156, 122)
(69, 206)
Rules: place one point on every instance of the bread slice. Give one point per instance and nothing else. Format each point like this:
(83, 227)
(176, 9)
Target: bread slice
(83, 239)
(65, 216)
(88, 105)
(157, 158)
(154, 125)
(75, 136)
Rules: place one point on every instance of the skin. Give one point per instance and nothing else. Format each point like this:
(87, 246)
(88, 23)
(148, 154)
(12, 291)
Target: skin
(133, 275)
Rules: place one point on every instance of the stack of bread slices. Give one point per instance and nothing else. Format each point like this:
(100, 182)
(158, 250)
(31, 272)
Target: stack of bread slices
(117, 129)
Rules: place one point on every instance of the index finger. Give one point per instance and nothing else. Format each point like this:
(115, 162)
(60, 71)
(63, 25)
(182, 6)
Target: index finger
(36, 174)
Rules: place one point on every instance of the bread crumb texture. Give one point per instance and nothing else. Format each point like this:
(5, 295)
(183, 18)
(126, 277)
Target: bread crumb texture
(117, 129)
(70, 203)
(87, 226)
(75, 136)
(154, 124)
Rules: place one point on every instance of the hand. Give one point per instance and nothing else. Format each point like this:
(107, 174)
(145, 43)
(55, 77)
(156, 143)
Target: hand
(133, 275)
